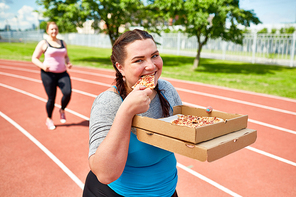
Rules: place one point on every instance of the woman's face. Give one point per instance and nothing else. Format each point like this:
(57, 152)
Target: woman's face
(52, 30)
(142, 59)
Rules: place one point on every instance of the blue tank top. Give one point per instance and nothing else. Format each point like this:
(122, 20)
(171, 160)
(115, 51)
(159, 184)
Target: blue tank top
(157, 179)
(149, 171)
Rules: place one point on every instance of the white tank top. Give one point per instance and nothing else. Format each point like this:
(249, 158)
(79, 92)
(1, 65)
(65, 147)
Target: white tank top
(54, 57)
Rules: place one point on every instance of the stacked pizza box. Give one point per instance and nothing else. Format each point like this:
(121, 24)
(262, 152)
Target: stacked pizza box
(204, 143)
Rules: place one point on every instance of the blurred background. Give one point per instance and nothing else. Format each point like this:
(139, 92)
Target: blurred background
(256, 31)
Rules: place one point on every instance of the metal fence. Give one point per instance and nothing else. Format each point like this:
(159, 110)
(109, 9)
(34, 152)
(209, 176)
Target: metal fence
(21, 36)
(256, 48)
(90, 40)
(278, 49)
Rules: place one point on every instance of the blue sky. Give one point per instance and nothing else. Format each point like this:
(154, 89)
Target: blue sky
(272, 11)
(19, 13)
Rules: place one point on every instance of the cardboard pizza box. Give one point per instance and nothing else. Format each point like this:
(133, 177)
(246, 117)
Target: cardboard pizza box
(210, 150)
(233, 122)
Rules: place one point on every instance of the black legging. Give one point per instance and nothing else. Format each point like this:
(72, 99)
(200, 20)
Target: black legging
(50, 82)
(94, 188)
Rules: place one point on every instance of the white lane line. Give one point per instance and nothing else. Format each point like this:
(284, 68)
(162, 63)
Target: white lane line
(233, 90)
(84, 93)
(76, 71)
(272, 126)
(42, 99)
(91, 73)
(76, 179)
(237, 101)
(271, 156)
(78, 79)
(208, 180)
(46, 151)
(180, 89)
(187, 169)
(169, 79)
(23, 92)
(90, 81)
(86, 118)
(21, 69)
(39, 81)
(21, 77)
(111, 71)
(253, 121)
(107, 85)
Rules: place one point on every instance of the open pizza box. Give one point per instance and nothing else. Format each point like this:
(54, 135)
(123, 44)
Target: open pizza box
(206, 143)
(232, 122)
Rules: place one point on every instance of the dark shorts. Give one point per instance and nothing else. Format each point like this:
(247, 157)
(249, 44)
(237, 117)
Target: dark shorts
(94, 188)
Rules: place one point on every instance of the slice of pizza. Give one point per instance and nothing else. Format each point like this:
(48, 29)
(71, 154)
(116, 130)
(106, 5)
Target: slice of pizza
(147, 81)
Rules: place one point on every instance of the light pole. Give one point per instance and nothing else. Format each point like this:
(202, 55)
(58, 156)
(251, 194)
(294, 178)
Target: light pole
(17, 23)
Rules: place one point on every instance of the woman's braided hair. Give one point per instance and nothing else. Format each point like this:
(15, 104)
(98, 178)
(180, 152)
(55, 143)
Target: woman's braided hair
(119, 55)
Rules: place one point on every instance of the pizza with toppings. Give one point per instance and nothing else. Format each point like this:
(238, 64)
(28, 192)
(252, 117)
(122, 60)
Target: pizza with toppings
(195, 121)
(147, 81)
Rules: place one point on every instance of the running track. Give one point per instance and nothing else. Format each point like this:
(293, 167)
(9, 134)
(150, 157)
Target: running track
(37, 162)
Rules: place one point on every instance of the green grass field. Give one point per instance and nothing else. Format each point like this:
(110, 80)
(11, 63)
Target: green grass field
(268, 79)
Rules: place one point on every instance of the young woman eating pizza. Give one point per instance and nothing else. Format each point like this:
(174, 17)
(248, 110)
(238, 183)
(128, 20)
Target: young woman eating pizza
(120, 164)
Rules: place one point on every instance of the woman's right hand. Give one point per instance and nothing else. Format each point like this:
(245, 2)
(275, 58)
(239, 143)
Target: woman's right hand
(138, 100)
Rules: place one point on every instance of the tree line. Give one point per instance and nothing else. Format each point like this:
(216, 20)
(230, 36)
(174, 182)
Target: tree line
(284, 30)
(204, 19)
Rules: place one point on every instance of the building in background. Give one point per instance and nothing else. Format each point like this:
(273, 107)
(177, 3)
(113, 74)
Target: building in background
(87, 29)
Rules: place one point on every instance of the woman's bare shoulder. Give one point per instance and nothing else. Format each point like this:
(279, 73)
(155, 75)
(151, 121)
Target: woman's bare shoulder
(42, 44)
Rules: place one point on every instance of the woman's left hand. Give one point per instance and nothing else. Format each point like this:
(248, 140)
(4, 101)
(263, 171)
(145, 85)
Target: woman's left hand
(69, 65)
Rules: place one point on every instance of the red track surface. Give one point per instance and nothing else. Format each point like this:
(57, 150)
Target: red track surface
(59, 167)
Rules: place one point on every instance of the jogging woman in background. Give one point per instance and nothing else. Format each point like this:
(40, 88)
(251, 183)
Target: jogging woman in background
(54, 71)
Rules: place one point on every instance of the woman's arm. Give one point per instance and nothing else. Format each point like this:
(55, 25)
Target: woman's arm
(39, 50)
(110, 158)
(67, 59)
